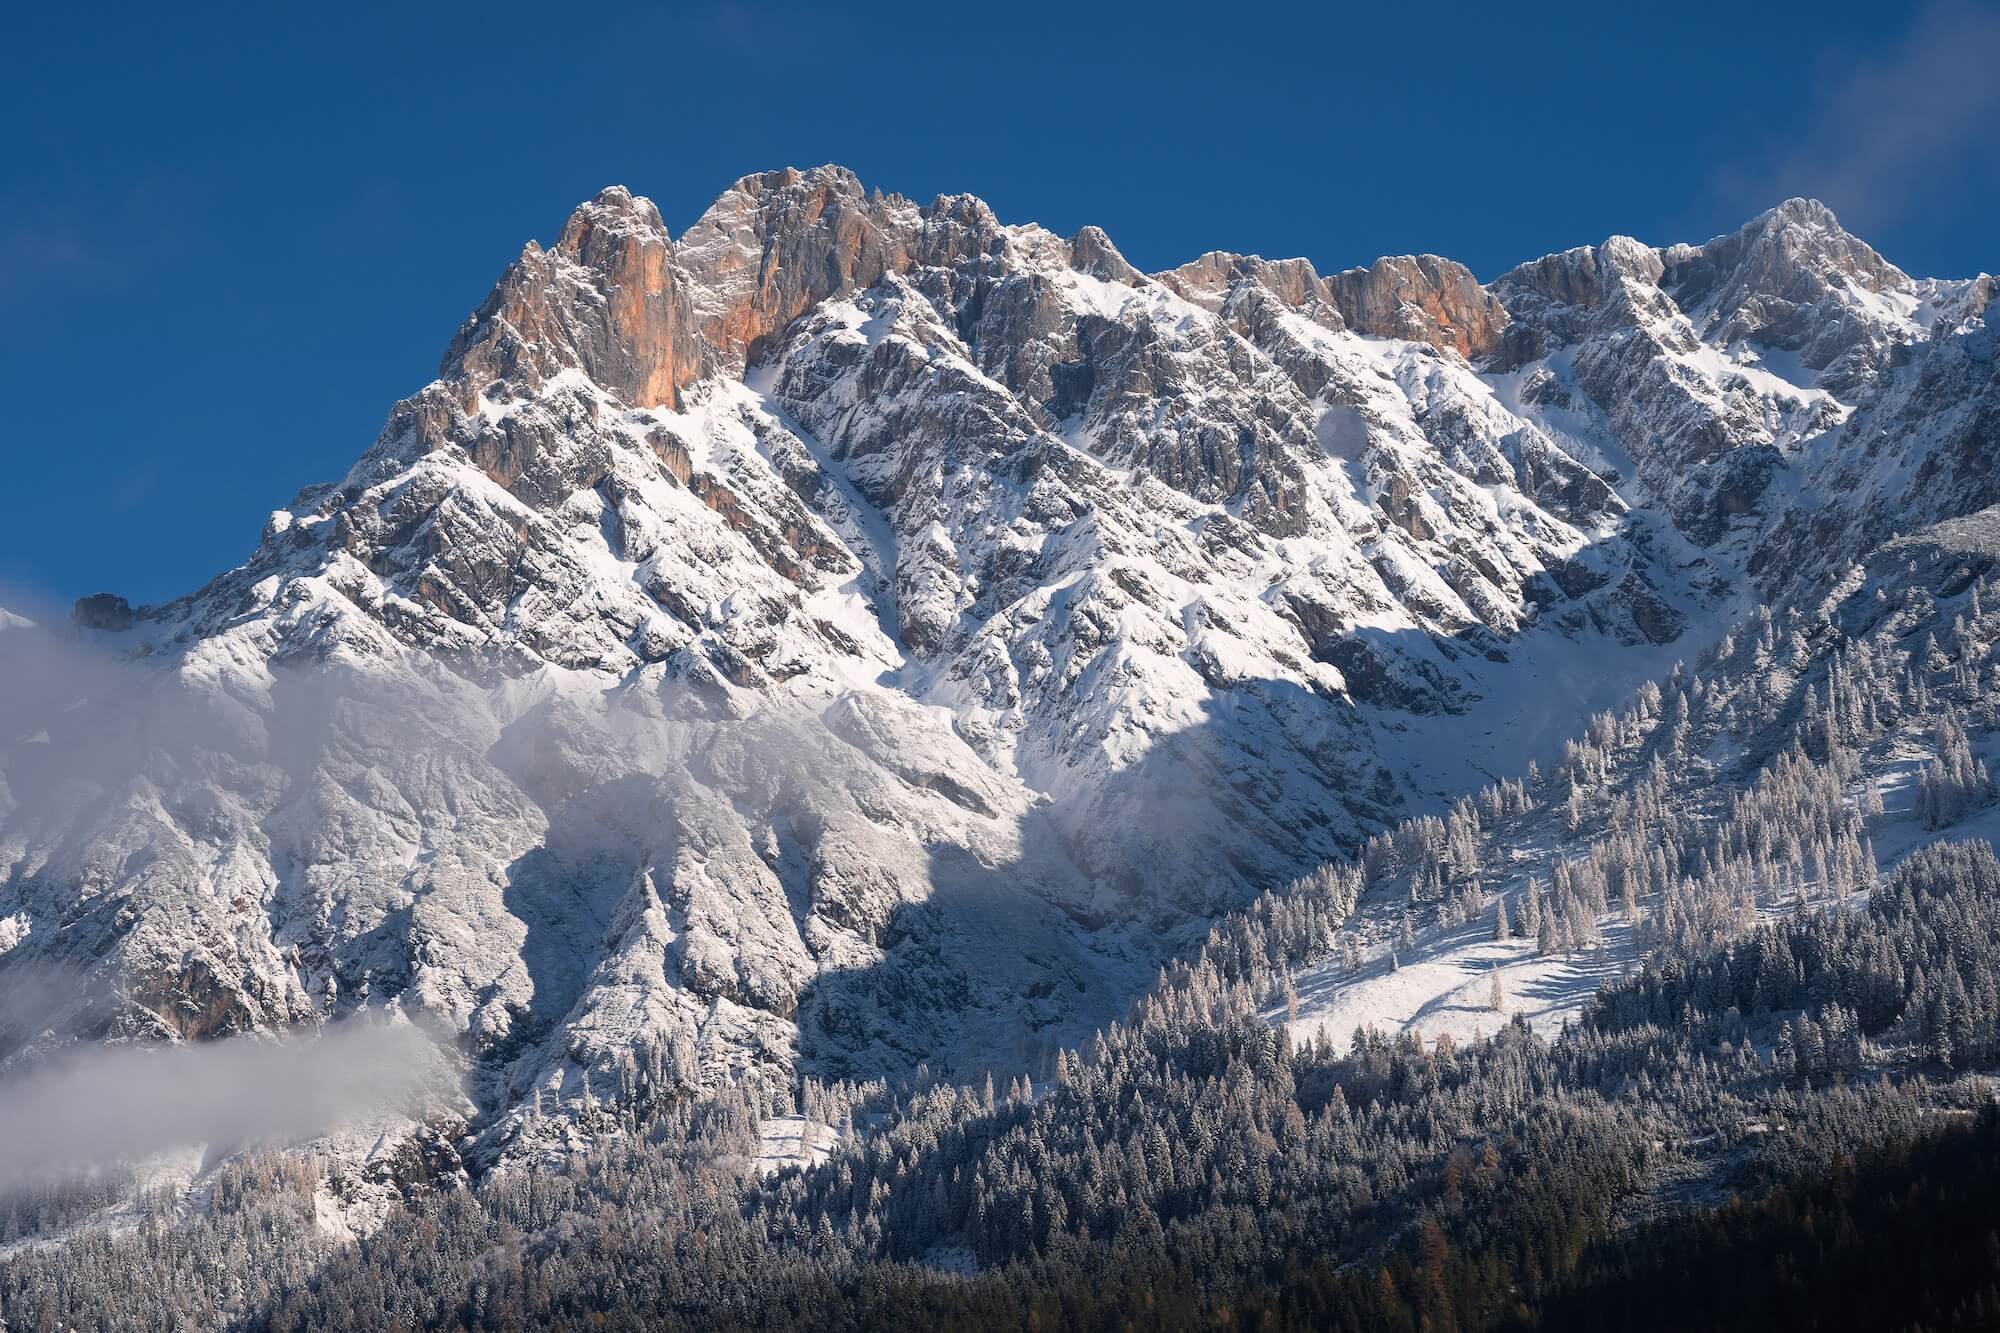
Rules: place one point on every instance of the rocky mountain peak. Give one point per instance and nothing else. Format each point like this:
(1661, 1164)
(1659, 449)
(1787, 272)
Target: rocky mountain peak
(775, 244)
(1799, 212)
(1091, 252)
(608, 299)
(1803, 237)
(645, 317)
(610, 218)
(1791, 278)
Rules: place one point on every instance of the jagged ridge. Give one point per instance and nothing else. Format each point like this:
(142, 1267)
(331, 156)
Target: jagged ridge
(876, 633)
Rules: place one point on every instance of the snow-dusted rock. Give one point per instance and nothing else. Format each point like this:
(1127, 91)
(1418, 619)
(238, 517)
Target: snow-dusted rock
(864, 633)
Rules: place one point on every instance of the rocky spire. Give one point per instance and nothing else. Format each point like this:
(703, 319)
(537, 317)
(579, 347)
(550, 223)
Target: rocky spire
(608, 299)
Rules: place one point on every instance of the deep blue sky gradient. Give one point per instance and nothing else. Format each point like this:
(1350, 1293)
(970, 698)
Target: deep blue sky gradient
(231, 237)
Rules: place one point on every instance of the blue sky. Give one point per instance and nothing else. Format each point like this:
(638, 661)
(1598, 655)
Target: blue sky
(232, 237)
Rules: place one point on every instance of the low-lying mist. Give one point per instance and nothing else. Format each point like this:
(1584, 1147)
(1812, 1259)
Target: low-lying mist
(578, 879)
(94, 1106)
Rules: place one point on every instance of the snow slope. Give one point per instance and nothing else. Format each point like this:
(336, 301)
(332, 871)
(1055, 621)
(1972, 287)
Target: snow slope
(1920, 590)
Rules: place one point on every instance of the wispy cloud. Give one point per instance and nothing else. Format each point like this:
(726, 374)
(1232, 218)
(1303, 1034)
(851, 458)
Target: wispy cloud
(58, 241)
(90, 1106)
(40, 242)
(1890, 129)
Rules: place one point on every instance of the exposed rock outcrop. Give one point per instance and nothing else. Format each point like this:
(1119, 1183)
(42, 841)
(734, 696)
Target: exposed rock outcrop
(1421, 298)
(103, 610)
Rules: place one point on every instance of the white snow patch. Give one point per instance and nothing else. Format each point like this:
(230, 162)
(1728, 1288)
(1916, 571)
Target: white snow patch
(791, 1140)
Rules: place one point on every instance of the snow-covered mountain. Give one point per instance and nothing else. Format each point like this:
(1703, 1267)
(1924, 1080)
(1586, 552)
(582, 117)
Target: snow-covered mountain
(858, 633)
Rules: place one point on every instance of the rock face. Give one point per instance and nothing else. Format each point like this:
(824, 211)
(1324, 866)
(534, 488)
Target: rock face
(859, 633)
(1792, 280)
(1787, 352)
(775, 245)
(1417, 298)
(1421, 298)
(103, 610)
(608, 300)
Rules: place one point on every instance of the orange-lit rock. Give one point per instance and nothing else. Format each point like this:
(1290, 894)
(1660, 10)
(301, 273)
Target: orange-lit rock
(1422, 298)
